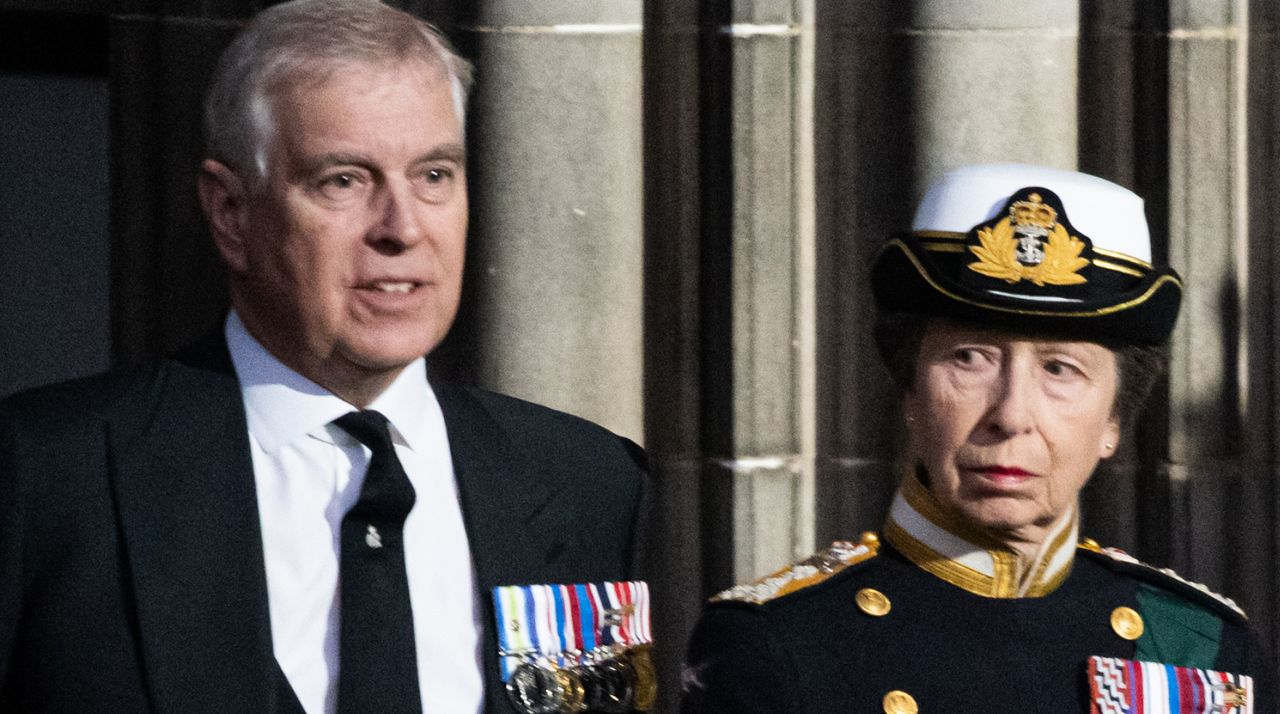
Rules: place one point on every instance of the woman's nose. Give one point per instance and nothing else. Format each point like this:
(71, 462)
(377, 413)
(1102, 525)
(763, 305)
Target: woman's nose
(1012, 410)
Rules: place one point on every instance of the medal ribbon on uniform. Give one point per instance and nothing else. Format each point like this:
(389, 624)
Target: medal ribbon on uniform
(641, 634)
(513, 641)
(1122, 686)
(563, 621)
(562, 624)
(605, 629)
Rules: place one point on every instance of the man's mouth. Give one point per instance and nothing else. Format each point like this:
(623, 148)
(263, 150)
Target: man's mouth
(393, 287)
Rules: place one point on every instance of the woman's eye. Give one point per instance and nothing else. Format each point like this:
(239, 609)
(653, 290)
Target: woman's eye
(1058, 368)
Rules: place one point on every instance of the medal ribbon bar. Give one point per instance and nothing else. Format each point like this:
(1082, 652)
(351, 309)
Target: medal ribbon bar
(1122, 686)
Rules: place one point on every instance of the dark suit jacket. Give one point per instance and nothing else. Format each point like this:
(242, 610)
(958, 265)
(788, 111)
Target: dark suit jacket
(131, 566)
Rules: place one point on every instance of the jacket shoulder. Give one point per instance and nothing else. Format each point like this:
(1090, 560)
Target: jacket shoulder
(1166, 579)
(94, 398)
(821, 567)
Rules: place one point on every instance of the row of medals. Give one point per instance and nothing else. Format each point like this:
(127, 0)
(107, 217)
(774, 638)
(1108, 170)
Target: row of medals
(605, 681)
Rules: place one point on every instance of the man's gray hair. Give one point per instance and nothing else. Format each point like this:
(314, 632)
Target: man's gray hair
(306, 39)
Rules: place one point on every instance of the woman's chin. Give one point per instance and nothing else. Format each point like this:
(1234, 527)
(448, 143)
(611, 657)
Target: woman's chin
(1005, 514)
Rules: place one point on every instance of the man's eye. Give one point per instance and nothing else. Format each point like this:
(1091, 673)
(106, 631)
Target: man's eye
(343, 180)
(437, 184)
(341, 185)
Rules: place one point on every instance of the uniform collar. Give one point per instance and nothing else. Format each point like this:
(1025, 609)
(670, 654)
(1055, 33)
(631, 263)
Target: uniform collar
(282, 406)
(966, 557)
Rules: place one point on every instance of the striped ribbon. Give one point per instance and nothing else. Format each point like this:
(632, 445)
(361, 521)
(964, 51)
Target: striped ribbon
(565, 624)
(1122, 686)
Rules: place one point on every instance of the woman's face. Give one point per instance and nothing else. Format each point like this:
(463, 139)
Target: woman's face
(1010, 427)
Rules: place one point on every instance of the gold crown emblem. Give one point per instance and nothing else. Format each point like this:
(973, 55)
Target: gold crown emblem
(1033, 212)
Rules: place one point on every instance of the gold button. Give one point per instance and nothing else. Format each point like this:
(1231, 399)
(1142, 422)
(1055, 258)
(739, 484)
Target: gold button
(1091, 544)
(899, 702)
(873, 602)
(869, 538)
(1127, 623)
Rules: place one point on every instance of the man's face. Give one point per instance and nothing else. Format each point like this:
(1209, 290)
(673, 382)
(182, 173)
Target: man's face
(1009, 427)
(353, 245)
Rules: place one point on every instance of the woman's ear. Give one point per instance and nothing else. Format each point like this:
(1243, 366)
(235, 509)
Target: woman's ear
(225, 202)
(1110, 438)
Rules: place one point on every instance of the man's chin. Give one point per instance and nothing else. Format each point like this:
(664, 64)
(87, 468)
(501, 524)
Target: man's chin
(386, 353)
(383, 364)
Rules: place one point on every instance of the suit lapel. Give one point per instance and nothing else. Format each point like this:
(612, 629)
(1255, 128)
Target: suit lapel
(517, 521)
(189, 516)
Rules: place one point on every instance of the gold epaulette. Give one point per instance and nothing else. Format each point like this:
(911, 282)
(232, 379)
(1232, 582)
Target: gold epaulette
(810, 571)
(1120, 556)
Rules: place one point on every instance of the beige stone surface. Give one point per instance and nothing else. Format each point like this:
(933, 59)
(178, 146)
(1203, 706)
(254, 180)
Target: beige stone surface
(989, 97)
(556, 222)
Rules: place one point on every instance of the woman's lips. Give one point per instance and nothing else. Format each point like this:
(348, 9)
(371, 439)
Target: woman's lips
(1002, 476)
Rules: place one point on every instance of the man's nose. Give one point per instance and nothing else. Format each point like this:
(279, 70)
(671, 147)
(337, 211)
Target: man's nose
(399, 223)
(1012, 409)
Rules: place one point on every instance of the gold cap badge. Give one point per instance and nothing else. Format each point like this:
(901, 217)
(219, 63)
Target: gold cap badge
(1029, 244)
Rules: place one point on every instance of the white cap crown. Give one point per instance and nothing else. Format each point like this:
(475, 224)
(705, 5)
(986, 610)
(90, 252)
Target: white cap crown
(1111, 215)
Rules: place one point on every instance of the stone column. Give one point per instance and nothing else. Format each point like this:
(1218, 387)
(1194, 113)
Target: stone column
(994, 81)
(1263, 158)
(730, 304)
(756, 287)
(557, 272)
(1220, 476)
(865, 171)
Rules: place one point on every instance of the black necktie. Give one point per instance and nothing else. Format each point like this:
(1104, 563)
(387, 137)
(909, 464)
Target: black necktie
(377, 663)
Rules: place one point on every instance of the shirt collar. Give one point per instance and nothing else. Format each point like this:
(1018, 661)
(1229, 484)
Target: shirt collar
(282, 406)
(966, 557)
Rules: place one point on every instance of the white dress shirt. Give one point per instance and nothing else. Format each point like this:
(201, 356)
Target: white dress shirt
(309, 474)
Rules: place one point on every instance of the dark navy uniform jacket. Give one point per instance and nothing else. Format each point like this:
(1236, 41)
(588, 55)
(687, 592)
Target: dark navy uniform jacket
(808, 641)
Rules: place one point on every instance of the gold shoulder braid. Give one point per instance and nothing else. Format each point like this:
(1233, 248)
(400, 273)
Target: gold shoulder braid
(810, 571)
(1118, 555)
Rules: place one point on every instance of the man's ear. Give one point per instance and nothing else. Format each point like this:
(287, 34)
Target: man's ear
(224, 198)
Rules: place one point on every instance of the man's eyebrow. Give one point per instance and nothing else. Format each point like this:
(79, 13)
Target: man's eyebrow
(445, 152)
(336, 158)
